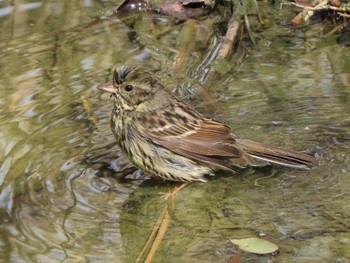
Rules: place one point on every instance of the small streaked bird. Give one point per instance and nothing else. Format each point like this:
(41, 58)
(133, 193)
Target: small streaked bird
(170, 140)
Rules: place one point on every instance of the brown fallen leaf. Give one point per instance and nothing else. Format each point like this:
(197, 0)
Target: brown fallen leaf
(184, 11)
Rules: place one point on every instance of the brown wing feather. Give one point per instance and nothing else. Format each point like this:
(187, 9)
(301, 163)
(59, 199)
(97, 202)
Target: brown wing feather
(202, 139)
(211, 139)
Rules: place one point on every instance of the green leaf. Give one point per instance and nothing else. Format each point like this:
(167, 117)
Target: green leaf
(256, 245)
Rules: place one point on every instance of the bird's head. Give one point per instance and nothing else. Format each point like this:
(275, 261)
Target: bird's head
(136, 89)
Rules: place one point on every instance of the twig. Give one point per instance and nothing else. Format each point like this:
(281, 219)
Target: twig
(161, 233)
(230, 37)
(250, 34)
(88, 109)
(321, 6)
(309, 11)
(159, 229)
(341, 14)
(258, 12)
(335, 29)
(151, 238)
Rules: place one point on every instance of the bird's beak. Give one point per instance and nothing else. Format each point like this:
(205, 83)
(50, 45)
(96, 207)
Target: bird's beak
(108, 87)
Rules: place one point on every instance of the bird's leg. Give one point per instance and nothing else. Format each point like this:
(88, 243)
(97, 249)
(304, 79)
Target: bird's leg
(172, 194)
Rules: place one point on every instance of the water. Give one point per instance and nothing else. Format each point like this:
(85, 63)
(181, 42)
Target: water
(62, 195)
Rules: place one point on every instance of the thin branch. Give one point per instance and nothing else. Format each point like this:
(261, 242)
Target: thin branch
(321, 6)
(309, 11)
(161, 233)
(342, 14)
(152, 236)
(338, 27)
(250, 34)
(258, 12)
(88, 108)
(160, 228)
(230, 37)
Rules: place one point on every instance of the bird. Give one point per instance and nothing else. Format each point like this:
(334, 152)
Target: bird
(170, 140)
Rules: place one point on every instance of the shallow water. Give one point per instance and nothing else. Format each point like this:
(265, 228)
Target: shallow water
(62, 196)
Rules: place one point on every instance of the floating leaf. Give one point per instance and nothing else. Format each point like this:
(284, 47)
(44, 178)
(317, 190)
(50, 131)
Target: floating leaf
(255, 245)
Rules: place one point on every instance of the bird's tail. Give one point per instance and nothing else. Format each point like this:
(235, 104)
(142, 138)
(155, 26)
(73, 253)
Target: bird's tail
(264, 154)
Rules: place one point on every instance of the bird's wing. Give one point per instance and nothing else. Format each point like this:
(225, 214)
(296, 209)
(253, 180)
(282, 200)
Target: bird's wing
(199, 138)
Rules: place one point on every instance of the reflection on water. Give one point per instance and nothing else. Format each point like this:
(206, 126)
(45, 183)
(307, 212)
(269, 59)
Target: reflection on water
(61, 192)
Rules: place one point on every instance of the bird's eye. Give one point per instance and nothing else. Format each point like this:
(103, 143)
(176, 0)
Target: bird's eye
(128, 88)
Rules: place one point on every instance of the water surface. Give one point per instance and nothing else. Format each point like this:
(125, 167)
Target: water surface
(62, 198)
